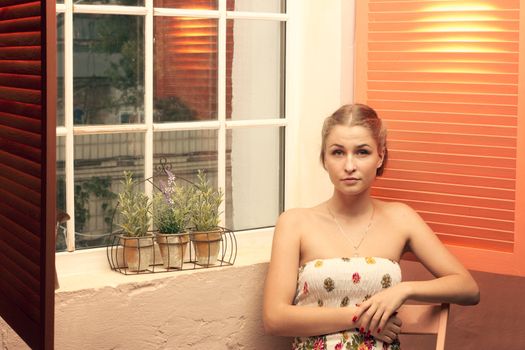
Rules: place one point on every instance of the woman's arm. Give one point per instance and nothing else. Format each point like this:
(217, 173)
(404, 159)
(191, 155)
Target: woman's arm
(280, 316)
(453, 283)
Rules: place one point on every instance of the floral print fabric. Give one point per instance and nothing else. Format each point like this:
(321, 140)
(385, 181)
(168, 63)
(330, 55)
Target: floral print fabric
(340, 282)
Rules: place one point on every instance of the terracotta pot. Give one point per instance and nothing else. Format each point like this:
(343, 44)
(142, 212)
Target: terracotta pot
(207, 245)
(172, 248)
(138, 252)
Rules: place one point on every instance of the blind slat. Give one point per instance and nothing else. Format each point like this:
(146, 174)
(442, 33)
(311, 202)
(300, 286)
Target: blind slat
(19, 163)
(483, 145)
(20, 25)
(20, 81)
(490, 213)
(458, 129)
(462, 56)
(19, 122)
(458, 77)
(24, 9)
(475, 222)
(476, 108)
(21, 137)
(449, 118)
(437, 176)
(20, 39)
(22, 95)
(445, 159)
(485, 170)
(432, 196)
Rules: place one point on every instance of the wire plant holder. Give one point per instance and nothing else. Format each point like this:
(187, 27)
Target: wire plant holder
(158, 252)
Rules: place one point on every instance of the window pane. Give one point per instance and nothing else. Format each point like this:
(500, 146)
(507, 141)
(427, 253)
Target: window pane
(61, 191)
(186, 152)
(100, 161)
(254, 173)
(256, 5)
(60, 69)
(257, 78)
(108, 65)
(188, 4)
(185, 66)
(110, 2)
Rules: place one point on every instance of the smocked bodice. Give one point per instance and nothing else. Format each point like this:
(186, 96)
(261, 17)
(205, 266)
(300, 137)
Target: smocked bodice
(340, 282)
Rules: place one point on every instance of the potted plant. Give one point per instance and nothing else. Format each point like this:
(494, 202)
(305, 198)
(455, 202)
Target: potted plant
(134, 207)
(171, 215)
(205, 217)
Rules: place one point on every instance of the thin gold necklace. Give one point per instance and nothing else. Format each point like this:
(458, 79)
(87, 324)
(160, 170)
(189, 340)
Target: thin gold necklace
(355, 246)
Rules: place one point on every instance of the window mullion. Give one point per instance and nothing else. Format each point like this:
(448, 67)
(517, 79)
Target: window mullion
(68, 122)
(148, 96)
(221, 105)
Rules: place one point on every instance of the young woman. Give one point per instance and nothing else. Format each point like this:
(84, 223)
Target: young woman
(334, 281)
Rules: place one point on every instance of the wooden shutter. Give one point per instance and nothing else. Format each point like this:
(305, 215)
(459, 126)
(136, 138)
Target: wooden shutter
(27, 168)
(447, 77)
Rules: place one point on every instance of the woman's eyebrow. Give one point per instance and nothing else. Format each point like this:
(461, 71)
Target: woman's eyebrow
(363, 145)
(336, 145)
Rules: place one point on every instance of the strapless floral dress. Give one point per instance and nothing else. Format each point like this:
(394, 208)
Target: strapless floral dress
(340, 282)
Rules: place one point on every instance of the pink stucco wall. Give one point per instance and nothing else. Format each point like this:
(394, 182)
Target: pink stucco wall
(221, 309)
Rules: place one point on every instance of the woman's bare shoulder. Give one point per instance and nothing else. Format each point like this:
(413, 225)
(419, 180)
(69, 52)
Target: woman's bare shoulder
(299, 216)
(296, 214)
(395, 209)
(400, 215)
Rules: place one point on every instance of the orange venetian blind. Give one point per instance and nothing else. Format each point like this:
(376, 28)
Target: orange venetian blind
(445, 76)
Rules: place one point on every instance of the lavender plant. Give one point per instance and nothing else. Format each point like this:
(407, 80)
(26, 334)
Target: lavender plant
(171, 206)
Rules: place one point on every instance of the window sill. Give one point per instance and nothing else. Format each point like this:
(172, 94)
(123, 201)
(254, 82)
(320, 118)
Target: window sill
(87, 269)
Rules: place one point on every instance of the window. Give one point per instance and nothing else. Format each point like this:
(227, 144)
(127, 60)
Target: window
(199, 84)
(445, 77)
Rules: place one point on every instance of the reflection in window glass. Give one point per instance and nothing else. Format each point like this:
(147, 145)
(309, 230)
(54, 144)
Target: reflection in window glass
(257, 70)
(60, 69)
(61, 191)
(276, 6)
(185, 68)
(110, 2)
(108, 66)
(188, 4)
(254, 171)
(100, 161)
(186, 152)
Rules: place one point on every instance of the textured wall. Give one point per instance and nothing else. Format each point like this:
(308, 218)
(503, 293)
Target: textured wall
(213, 309)
(221, 309)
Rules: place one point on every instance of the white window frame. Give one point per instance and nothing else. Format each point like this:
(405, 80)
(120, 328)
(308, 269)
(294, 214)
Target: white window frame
(221, 125)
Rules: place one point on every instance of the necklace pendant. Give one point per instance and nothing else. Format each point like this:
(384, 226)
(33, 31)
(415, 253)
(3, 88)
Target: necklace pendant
(356, 254)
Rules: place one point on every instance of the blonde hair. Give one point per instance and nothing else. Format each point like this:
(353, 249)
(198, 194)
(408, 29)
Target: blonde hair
(357, 115)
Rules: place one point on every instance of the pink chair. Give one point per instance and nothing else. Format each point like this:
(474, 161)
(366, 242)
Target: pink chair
(425, 319)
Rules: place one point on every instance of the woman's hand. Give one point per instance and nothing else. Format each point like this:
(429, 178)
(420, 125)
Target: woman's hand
(391, 330)
(374, 313)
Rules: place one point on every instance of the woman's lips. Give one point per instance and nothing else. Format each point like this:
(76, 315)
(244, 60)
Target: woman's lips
(349, 180)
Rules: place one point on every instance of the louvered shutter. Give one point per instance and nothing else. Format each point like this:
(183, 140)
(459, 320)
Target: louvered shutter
(446, 77)
(27, 168)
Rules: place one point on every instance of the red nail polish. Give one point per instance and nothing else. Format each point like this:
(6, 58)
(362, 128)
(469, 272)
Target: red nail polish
(379, 330)
(361, 330)
(354, 319)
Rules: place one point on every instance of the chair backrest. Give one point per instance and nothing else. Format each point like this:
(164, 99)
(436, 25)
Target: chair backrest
(425, 319)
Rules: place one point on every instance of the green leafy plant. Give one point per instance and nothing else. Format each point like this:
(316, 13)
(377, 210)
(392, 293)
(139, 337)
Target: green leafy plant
(171, 206)
(134, 207)
(204, 205)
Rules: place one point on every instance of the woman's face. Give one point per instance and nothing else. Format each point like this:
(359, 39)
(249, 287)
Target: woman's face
(351, 158)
